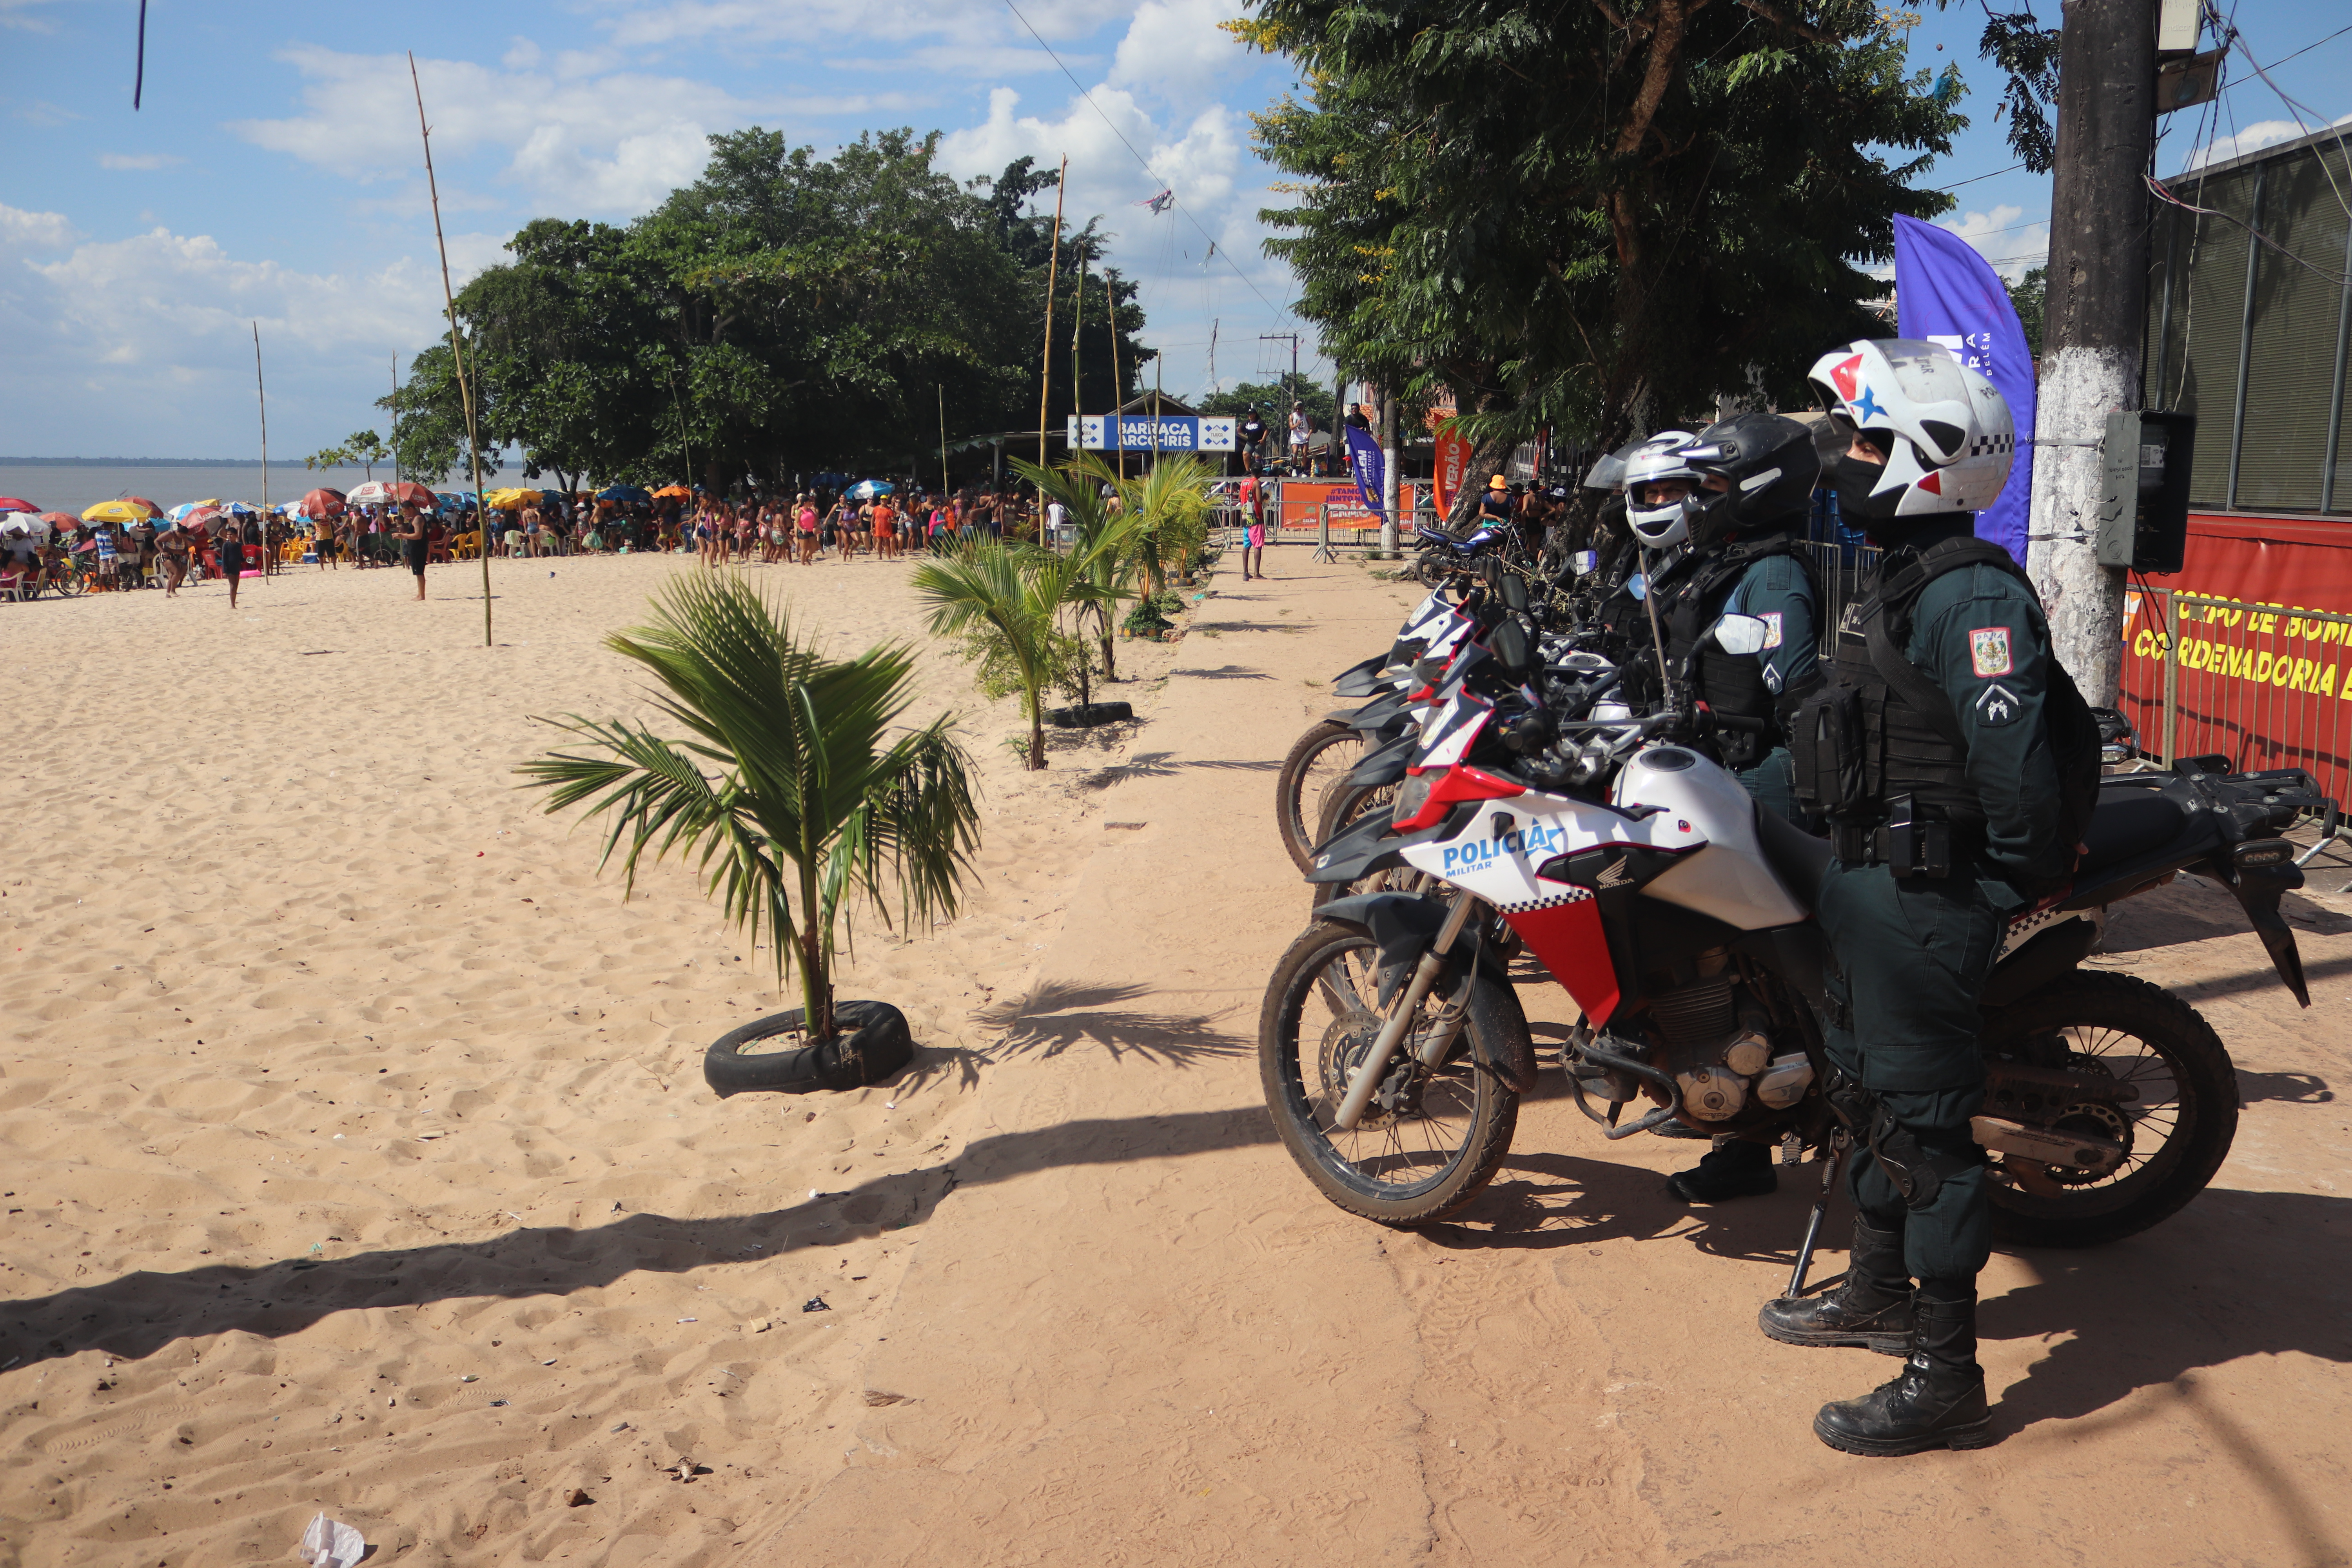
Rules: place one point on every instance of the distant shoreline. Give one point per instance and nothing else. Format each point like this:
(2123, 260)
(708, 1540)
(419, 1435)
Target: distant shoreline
(140, 463)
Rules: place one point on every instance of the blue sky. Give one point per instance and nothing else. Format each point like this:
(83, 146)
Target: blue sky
(273, 172)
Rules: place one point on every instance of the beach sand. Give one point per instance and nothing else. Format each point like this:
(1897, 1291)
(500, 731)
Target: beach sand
(1081, 1308)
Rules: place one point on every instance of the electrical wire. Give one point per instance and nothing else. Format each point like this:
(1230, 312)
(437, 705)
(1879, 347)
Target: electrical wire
(1972, 179)
(2299, 109)
(1146, 162)
(2157, 188)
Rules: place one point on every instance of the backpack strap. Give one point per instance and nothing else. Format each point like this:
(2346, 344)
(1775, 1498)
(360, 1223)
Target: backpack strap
(1895, 597)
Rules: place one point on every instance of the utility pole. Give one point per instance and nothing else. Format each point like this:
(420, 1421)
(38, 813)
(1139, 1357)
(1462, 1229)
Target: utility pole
(1292, 384)
(2097, 313)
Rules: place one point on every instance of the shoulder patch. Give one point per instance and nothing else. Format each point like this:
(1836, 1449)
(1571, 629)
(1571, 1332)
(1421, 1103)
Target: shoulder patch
(1772, 619)
(1995, 705)
(1988, 651)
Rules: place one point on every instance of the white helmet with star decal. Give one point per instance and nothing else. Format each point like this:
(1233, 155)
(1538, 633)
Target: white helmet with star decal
(1946, 431)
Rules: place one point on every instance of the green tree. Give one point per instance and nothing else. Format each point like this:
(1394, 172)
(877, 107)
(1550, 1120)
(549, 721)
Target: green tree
(1108, 564)
(1680, 205)
(1007, 603)
(1273, 400)
(789, 792)
(428, 420)
(2026, 296)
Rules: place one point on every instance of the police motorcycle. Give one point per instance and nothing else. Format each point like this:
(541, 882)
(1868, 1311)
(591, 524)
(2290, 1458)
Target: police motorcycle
(1642, 878)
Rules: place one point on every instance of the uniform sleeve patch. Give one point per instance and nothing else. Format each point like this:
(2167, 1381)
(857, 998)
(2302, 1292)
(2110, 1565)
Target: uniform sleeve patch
(1771, 620)
(1995, 705)
(1988, 651)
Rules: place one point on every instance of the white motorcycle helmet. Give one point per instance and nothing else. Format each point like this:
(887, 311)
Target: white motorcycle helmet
(1658, 523)
(1946, 429)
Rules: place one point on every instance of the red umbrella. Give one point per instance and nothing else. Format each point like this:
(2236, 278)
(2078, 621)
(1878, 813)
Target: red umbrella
(410, 490)
(10, 503)
(153, 510)
(322, 503)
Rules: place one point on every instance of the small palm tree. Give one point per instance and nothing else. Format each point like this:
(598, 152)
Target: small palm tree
(1106, 544)
(789, 792)
(1012, 597)
(1171, 506)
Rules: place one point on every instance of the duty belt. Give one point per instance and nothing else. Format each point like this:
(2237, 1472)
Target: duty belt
(1908, 844)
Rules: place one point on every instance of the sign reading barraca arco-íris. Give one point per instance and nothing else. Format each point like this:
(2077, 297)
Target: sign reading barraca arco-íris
(1143, 433)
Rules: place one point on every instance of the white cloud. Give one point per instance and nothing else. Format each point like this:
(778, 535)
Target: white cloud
(2013, 246)
(138, 160)
(695, 21)
(30, 231)
(20, 15)
(2262, 133)
(1175, 51)
(612, 146)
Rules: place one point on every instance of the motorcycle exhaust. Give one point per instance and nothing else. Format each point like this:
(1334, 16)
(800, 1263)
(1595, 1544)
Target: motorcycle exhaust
(2048, 1146)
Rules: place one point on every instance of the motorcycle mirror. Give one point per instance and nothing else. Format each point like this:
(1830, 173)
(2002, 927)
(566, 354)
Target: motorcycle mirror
(1638, 585)
(1512, 591)
(1741, 634)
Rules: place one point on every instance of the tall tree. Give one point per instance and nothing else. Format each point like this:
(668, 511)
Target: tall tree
(1593, 218)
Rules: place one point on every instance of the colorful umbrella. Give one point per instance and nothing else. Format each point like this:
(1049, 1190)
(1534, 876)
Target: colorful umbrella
(680, 491)
(153, 510)
(132, 510)
(867, 490)
(10, 503)
(185, 507)
(511, 497)
(321, 503)
(629, 493)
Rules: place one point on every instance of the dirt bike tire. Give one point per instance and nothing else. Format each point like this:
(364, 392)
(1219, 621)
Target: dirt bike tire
(1494, 1008)
(2207, 1118)
(1431, 573)
(1291, 811)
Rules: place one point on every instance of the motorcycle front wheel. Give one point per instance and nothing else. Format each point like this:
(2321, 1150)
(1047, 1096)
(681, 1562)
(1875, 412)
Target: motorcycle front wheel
(2176, 1124)
(1432, 1137)
(1319, 761)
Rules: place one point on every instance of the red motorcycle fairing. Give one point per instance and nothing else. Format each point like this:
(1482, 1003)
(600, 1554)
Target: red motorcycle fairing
(1565, 932)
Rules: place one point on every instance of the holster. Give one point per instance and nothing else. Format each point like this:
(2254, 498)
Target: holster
(1916, 1173)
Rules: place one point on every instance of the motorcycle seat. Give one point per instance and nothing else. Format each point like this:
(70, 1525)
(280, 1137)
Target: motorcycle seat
(2127, 825)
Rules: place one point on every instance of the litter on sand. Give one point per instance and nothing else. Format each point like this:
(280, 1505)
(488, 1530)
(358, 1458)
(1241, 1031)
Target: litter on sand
(331, 1544)
(815, 1304)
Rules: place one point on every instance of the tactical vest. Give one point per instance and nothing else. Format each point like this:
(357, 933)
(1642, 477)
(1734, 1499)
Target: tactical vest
(1879, 732)
(1730, 684)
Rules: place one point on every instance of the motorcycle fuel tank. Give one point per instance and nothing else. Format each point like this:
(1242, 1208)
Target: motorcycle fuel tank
(1728, 879)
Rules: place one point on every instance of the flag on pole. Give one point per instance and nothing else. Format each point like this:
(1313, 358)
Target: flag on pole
(1948, 294)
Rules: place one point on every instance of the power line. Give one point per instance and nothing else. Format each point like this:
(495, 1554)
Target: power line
(1141, 159)
(1972, 179)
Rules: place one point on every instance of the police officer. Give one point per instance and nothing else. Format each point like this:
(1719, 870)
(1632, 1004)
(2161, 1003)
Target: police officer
(1743, 486)
(1938, 747)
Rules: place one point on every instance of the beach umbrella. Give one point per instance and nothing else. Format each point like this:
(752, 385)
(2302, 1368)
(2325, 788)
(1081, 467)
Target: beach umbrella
(867, 490)
(322, 502)
(511, 497)
(410, 490)
(234, 509)
(35, 525)
(629, 493)
(376, 492)
(10, 503)
(679, 491)
(120, 511)
(153, 510)
(185, 507)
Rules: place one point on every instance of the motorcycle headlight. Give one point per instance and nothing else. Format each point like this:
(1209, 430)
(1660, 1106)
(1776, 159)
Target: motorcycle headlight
(1410, 796)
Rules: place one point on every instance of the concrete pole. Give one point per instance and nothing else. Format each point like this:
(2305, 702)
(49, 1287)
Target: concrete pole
(2091, 337)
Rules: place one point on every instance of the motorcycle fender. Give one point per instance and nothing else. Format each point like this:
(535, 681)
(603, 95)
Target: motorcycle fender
(2259, 890)
(1403, 925)
(2046, 957)
(1388, 765)
(1361, 680)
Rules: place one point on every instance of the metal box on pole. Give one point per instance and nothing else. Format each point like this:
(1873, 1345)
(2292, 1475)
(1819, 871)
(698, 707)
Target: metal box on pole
(2142, 520)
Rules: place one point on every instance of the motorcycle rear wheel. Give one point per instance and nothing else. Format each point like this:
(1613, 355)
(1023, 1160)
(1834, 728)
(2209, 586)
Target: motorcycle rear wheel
(1440, 1141)
(2178, 1128)
(1320, 759)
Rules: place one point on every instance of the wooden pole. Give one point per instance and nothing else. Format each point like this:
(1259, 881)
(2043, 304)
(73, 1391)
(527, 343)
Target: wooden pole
(457, 351)
(1053, 272)
(944, 442)
(1077, 325)
(1119, 381)
(262, 393)
(395, 422)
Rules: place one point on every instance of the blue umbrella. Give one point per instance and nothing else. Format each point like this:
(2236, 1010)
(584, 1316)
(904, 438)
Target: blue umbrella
(629, 493)
(867, 490)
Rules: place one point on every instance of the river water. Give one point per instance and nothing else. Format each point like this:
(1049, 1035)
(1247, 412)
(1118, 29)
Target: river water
(71, 487)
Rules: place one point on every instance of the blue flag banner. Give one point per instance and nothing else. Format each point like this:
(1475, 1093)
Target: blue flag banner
(1364, 458)
(1946, 293)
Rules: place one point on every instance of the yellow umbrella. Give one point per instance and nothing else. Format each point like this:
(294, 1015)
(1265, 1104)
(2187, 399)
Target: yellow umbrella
(117, 511)
(508, 498)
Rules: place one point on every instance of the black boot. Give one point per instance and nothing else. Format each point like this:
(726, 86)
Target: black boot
(1937, 1402)
(1872, 1310)
(1732, 1168)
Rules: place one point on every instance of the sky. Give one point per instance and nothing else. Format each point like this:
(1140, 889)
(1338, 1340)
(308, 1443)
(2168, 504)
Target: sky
(272, 174)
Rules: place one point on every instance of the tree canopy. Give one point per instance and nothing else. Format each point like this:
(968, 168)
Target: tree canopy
(1593, 217)
(785, 312)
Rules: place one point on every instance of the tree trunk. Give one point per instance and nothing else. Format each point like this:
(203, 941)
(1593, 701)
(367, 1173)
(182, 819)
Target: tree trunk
(1037, 732)
(2092, 323)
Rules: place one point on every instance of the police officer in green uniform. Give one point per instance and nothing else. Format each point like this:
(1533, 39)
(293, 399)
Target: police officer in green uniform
(1939, 748)
(1740, 489)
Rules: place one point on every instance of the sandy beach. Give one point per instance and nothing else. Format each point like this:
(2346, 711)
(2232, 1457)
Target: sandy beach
(358, 1158)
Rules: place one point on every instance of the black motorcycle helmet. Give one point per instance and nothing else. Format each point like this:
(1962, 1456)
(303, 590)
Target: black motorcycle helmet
(1771, 466)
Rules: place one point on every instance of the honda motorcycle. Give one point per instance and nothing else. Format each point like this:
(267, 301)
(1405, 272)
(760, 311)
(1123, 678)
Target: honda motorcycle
(1642, 879)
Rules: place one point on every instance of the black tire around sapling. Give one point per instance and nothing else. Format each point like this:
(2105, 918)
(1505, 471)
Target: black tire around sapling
(875, 1031)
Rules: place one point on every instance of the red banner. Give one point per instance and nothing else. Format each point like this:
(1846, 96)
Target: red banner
(1452, 465)
(2265, 677)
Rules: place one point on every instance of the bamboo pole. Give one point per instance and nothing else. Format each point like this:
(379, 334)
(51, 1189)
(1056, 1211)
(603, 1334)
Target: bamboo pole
(1077, 325)
(457, 351)
(262, 394)
(944, 442)
(1052, 273)
(1119, 381)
